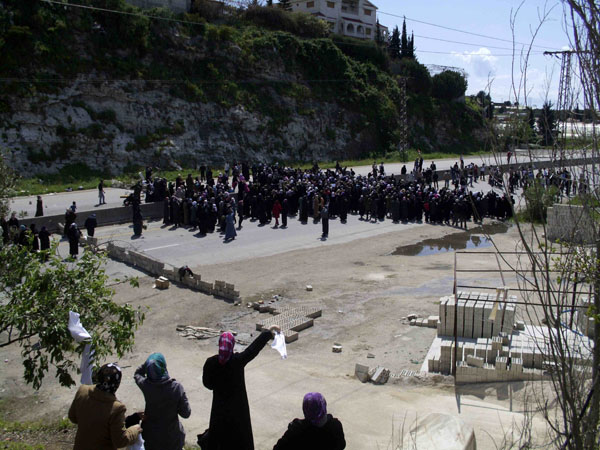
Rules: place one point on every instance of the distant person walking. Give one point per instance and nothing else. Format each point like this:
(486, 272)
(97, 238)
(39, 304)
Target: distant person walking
(73, 234)
(101, 198)
(39, 207)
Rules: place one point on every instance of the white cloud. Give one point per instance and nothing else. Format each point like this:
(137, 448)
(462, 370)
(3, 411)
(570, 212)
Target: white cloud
(480, 63)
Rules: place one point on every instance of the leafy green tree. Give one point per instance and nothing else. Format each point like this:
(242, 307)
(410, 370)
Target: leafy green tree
(547, 124)
(485, 101)
(531, 123)
(394, 45)
(418, 77)
(285, 4)
(449, 85)
(39, 289)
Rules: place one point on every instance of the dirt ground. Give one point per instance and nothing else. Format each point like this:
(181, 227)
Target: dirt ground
(365, 291)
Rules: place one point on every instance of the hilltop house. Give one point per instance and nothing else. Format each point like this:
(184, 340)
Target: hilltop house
(356, 18)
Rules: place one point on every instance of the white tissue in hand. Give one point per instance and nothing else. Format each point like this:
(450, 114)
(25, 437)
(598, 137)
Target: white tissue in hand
(279, 344)
(76, 329)
(137, 445)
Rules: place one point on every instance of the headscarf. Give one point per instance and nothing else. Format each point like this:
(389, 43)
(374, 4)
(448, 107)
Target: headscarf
(109, 378)
(156, 367)
(315, 408)
(226, 344)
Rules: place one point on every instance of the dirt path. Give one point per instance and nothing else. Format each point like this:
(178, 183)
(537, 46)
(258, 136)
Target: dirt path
(365, 292)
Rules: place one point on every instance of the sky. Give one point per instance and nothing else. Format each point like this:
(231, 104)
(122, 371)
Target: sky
(488, 62)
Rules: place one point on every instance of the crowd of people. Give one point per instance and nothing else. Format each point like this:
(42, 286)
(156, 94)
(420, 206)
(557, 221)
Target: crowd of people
(273, 193)
(102, 423)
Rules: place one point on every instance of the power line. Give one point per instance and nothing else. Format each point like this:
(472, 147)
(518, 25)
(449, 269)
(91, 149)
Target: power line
(467, 43)
(128, 13)
(458, 30)
(187, 22)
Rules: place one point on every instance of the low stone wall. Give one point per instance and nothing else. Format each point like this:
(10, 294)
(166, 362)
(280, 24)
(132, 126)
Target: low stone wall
(570, 223)
(157, 268)
(105, 216)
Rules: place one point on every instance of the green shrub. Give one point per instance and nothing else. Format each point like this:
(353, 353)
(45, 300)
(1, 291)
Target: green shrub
(537, 201)
(225, 33)
(361, 50)
(298, 23)
(449, 85)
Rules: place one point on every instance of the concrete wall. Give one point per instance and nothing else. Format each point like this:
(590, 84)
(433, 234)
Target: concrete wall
(175, 5)
(570, 224)
(107, 216)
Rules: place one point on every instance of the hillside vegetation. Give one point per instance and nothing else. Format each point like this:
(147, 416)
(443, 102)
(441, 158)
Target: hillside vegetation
(116, 91)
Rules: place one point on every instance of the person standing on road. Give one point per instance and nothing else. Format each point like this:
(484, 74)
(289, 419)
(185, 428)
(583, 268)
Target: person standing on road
(165, 401)
(230, 426)
(325, 220)
(39, 207)
(73, 234)
(230, 232)
(101, 198)
(90, 225)
(317, 431)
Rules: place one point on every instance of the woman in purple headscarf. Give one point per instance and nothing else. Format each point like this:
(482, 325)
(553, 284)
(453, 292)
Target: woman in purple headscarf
(317, 431)
(230, 427)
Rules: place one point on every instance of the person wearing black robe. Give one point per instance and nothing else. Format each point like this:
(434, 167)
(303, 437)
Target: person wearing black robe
(325, 221)
(285, 210)
(44, 239)
(166, 211)
(39, 207)
(317, 431)
(73, 234)
(230, 425)
(90, 225)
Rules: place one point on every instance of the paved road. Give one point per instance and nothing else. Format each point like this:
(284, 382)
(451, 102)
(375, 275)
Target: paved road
(182, 246)
(87, 200)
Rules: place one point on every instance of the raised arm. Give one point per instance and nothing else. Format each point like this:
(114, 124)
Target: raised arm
(255, 347)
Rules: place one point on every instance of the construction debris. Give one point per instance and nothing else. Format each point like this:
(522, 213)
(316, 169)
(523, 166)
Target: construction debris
(161, 283)
(337, 348)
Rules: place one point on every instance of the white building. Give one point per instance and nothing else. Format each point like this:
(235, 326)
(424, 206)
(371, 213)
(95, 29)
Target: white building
(356, 18)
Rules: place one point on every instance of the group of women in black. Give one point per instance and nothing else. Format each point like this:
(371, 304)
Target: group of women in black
(272, 191)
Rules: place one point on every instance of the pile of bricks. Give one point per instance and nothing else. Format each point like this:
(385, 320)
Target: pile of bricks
(473, 311)
(429, 322)
(225, 290)
(290, 319)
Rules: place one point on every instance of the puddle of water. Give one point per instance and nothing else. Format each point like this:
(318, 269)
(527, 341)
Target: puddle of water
(473, 238)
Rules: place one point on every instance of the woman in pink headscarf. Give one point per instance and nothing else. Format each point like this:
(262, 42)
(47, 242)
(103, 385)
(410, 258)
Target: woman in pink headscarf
(230, 426)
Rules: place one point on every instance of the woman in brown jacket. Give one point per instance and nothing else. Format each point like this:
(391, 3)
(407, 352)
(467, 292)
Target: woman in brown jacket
(99, 416)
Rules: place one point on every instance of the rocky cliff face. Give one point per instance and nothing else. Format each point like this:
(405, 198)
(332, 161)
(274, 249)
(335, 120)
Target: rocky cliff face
(110, 127)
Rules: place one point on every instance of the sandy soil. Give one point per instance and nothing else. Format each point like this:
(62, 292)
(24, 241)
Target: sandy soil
(365, 292)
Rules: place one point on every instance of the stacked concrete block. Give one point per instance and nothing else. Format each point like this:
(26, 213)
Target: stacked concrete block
(225, 290)
(475, 361)
(446, 355)
(516, 365)
(432, 321)
(501, 363)
(291, 321)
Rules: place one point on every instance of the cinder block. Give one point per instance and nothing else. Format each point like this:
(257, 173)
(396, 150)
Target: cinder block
(475, 361)
(361, 372)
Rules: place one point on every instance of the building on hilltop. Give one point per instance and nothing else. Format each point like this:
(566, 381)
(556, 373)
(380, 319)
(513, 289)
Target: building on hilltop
(355, 18)
(174, 5)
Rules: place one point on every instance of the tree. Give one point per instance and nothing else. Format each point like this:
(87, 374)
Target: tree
(404, 41)
(418, 79)
(411, 46)
(531, 123)
(547, 124)
(394, 45)
(485, 101)
(449, 85)
(378, 34)
(37, 296)
(285, 4)
(7, 184)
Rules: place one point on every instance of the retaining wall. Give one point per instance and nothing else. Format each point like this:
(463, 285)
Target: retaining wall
(105, 216)
(570, 223)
